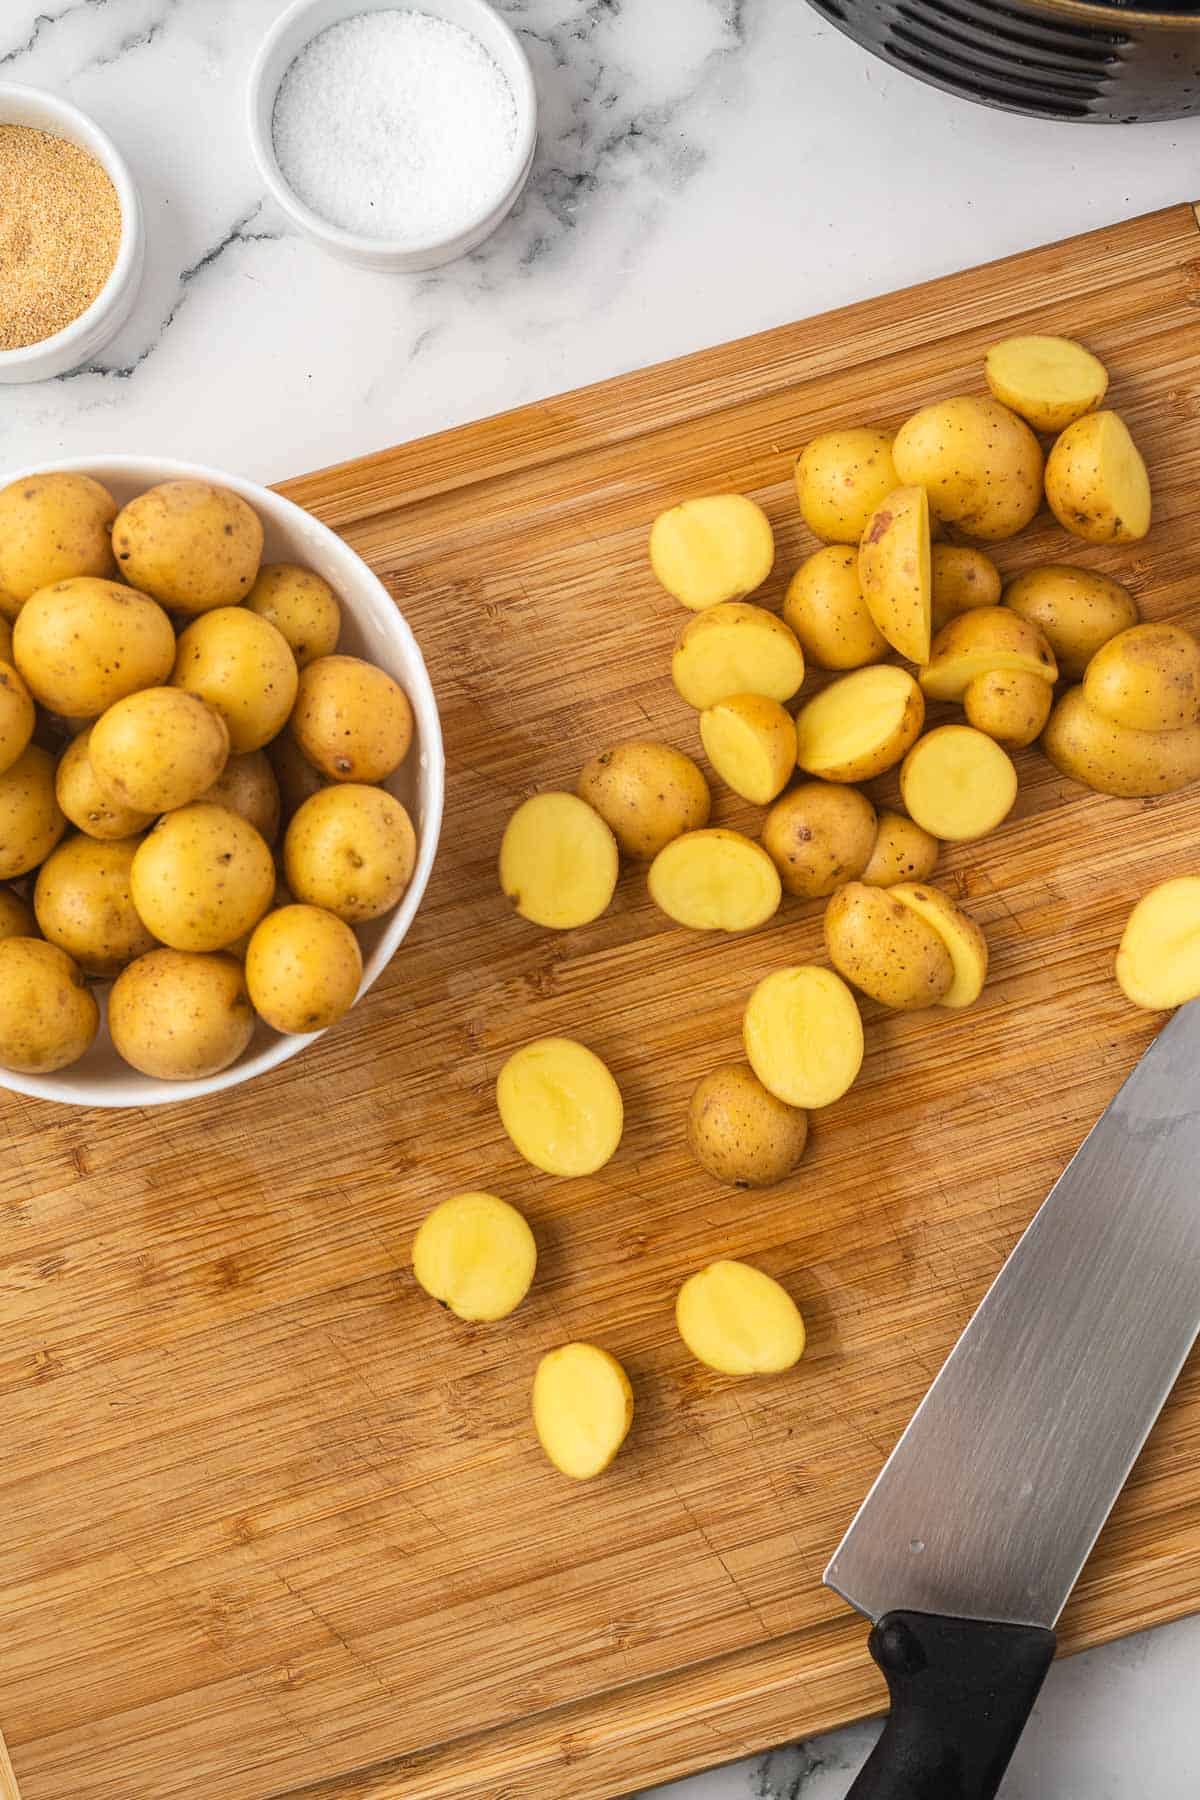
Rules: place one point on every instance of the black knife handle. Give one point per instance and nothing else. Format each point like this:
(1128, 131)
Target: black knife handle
(961, 1691)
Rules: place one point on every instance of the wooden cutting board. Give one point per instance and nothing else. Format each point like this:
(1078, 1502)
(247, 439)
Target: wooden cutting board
(276, 1525)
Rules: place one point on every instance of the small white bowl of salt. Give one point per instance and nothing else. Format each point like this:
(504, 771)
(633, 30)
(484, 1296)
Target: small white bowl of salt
(396, 136)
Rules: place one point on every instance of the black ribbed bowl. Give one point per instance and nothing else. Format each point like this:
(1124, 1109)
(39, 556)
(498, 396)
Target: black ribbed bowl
(1055, 59)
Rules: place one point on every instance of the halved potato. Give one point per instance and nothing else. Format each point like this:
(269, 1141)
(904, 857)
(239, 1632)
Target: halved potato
(840, 479)
(582, 1409)
(803, 1036)
(882, 946)
(715, 880)
(719, 547)
(560, 1106)
(1077, 610)
(895, 569)
(1096, 481)
(964, 941)
(476, 1255)
(958, 783)
(1158, 963)
(1010, 705)
(820, 834)
(558, 861)
(1115, 759)
(978, 642)
(1147, 678)
(962, 578)
(1050, 381)
(980, 464)
(903, 851)
(825, 608)
(737, 1320)
(751, 743)
(860, 724)
(736, 648)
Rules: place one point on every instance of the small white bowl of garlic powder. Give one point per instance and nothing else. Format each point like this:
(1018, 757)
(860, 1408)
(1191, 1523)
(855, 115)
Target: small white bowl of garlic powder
(396, 136)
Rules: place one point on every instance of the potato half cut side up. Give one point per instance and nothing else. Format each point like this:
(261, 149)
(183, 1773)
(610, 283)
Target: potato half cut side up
(582, 1409)
(860, 724)
(803, 1036)
(558, 861)
(476, 1255)
(737, 1320)
(560, 1106)
(958, 783)
(715, 880)
(1158, 963)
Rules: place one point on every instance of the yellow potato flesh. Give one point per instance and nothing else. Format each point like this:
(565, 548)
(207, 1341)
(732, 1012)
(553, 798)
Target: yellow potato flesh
(859, 725)
(903, 852)
(475, 1253)
(958, 783)
(978, 642)
(1010, 705)
(736, 649)
(558, 861)
(1096, 481)
(964, 941)
(1158, 963)
(840, 479)
(560, 1106)
(713, 549)
(751, 743)
(825, 608)
(896, 571)
(1113, 759)
(962, 578)
(1050, 381)
(582, 1409)
(1147, 678)
(803, 1036)
(737, 1320)
(715, 881)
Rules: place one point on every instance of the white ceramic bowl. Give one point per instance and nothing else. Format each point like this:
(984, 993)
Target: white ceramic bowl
(371, 627)
(283, 43)
(87, 334)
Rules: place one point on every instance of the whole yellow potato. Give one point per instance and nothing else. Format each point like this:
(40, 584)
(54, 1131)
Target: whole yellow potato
(980, 464)
(646, 793)
(351, 850)
(192, 545)
(158, 749)
(303, 969)
(903, 851)
(16, 919)
(31, 820)
(558, 861)
(476, 1255)
(179, 1016)
(52, 527)
(1147, 677)
(1010, 705)
(1116, 759)
(242, 666)
(1050, 381)
(582, 1409)
(48, 1018)
(202, 877)
(896, 572)
(1096, 481)
(736, 648)
(1076, 610)
(85, 800)
(84, 904)
(17, 716)
(824, 606)
(83, 643)
(740, 1133)
(247, 786)
(885, 949)
(841, 477)
(962, 577)
(298, 780)
(735, 1319)
(301, 606)
(818, 836)
(860, 725)
(351, 720)
(716, 548)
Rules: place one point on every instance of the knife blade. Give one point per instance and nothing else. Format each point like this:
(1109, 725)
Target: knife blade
(967, 1546)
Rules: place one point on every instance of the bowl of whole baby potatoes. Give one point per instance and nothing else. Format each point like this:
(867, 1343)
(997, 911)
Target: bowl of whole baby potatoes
(221, 780)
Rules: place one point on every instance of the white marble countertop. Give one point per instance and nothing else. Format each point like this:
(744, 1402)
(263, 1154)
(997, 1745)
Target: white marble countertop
(707, 168)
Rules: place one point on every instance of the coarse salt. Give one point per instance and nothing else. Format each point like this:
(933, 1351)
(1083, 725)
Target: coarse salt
(396, 125)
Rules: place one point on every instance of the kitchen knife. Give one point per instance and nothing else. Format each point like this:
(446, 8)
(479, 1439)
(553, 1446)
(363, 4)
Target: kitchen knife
(966, 1548)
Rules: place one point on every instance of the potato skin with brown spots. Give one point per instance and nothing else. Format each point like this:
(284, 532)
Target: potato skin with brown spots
(301, 605)
(158, 749)
(1077, 610)
(52, 527)
(351, 850)
(883, 948)
(247, 786)
(178, 1016)
(84, 904)
(1147, 678)
(824, 606)
(86, 801)
(903, 851)
(17, 716)
(647, 794)
(1115, 759)
(303, 969)
(980, 464)
(244, 669)
(741, 1134)
(819, 835)
(31, 820)
(201, 878)
(298, 780)
(83, 644)
(351, 720)
(190, 544)
(48, 1018)
(1010, 705)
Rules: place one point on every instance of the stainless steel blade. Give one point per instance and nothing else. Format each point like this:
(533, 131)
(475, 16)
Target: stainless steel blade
(989, 1504)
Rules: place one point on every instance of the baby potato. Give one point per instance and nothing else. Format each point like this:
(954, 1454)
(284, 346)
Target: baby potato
(84, 904)
(190, 544)
(979, 463)
(243, 667)
(82, 644)
(735, 1319)
(962, 578)
(742, 1134)
(818, 836)
(803, 1036)
(301, 606)
(1076, 610)
(582, 1409)
(713, 549)
(715, 880)
(1158, 963)
(957, 783)
(52, 527)
(886, 949)
(1116, 759)
(17, 716)
(1050, 381)
(1096, 481)
(647, 794)
(736, 649)
(16, 920)
(476, 1255)
(31, 821)
(964, 941)
(558, 861)
(201, 878)
(896, 572)
(841, 477)
(87, 802)
(247, 786)
(560, 1106)
(351, 850)
(1147, 678)
(825, 608)
(351, 720)
(979, 642)
(298, 780)
(48, 1018)
(1010, 705)
(751, 743)
(303, 969)
(158, 749)
(902, 851)
(860, 724)
(178, 1016)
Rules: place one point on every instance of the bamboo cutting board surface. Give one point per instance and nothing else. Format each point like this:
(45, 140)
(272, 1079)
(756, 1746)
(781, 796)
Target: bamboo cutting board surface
(276, 1525)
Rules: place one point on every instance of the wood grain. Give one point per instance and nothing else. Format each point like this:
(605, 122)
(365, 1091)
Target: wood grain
(274, 1524)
